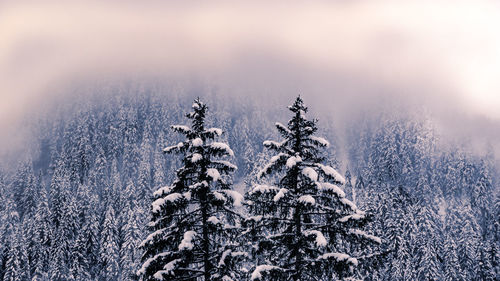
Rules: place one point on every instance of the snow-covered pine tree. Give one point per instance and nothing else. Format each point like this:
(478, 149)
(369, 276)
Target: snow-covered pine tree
(110, 251)
(193, 220)
(305, 225)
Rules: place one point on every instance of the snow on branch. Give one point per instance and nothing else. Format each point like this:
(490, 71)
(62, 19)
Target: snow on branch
(186, 242)
(196, 157)
(280, 194)
(328, 187)
(151, 237)
(162, 191)
(330, 172)
(181, 129)
(213, 132)
(197, 142)
(307, 199)
(260, 269)
(214, 174)
(223, 165)
(310, 173)
(235, 196)
(158, 203)
(293, 161)
(273, 144)
(320, 238)
(348, 203)
(362, 234)
(173, 148)
(283, 129)
(262, 188)
(339, 257)
(319, 141)
(356, 216)
(221, 148)
(273, 164)
(148, 262)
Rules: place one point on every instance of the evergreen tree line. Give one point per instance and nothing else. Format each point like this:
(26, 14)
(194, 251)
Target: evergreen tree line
(79, 205)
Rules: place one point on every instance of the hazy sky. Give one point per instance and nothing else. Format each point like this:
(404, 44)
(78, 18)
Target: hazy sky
(444, 54)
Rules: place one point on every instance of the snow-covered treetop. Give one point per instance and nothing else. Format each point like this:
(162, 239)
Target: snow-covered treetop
(300, 148)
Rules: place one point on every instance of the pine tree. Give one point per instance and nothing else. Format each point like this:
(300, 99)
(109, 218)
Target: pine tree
(193, 220)
(42, 240)
(109, 250)
(17, 267)
(305, 224)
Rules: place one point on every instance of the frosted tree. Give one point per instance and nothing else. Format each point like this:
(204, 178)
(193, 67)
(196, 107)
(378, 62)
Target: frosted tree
(132, 231)
(304, 225)
(193, 220)
(17, 267)
(109, 254)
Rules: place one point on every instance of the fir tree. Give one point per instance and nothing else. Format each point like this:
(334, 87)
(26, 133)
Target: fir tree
(305, 224)
(193, 220)
(109, 251)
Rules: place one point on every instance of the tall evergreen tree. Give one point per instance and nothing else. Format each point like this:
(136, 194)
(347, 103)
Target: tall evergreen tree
(193, 220)
(304, 224)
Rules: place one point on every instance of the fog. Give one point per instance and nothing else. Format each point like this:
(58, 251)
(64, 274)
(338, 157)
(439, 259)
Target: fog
(344, 57)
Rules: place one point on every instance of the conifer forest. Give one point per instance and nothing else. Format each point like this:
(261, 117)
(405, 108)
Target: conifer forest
(250, 140)
(167, 187)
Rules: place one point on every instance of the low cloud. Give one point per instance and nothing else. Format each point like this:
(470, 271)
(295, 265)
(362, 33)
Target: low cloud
(444, 55)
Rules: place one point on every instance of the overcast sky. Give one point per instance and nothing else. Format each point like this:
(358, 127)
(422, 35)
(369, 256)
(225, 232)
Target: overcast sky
(443, 54)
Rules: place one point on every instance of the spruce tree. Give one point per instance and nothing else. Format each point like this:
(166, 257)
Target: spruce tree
(303, 226)
(193, 220)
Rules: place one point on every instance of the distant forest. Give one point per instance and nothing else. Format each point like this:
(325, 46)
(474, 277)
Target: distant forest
(77, 205)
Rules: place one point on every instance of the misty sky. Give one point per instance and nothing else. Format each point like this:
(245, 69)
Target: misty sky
(441, 54)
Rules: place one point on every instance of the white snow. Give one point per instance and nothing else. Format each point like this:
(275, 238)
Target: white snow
(197, 142)
(160, 201)
(198, 184)
(283, 127)
(326, 186)
(196, 157)
(170, 148)
(186, 242)
(222, 146)
(257, 273)
(292, 161)
(235, 195)
(195, 106)
(151, 237)
(181, 128)
(310, 173)
(356, 216)
(270, 143)
(223, 257)
(216, 131)
(307, 199)
(340, 257)
(226, 163)
(272, 162)
(320, 238)
(348, 203)
(213, 173)
(320, 140)
(213, 220)
(169, 267)
(146, 264)
(162, 190)
(331, 172)
(219, 196)
(365, 235)
(255, 218)
(262, 188)
(280, 194)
